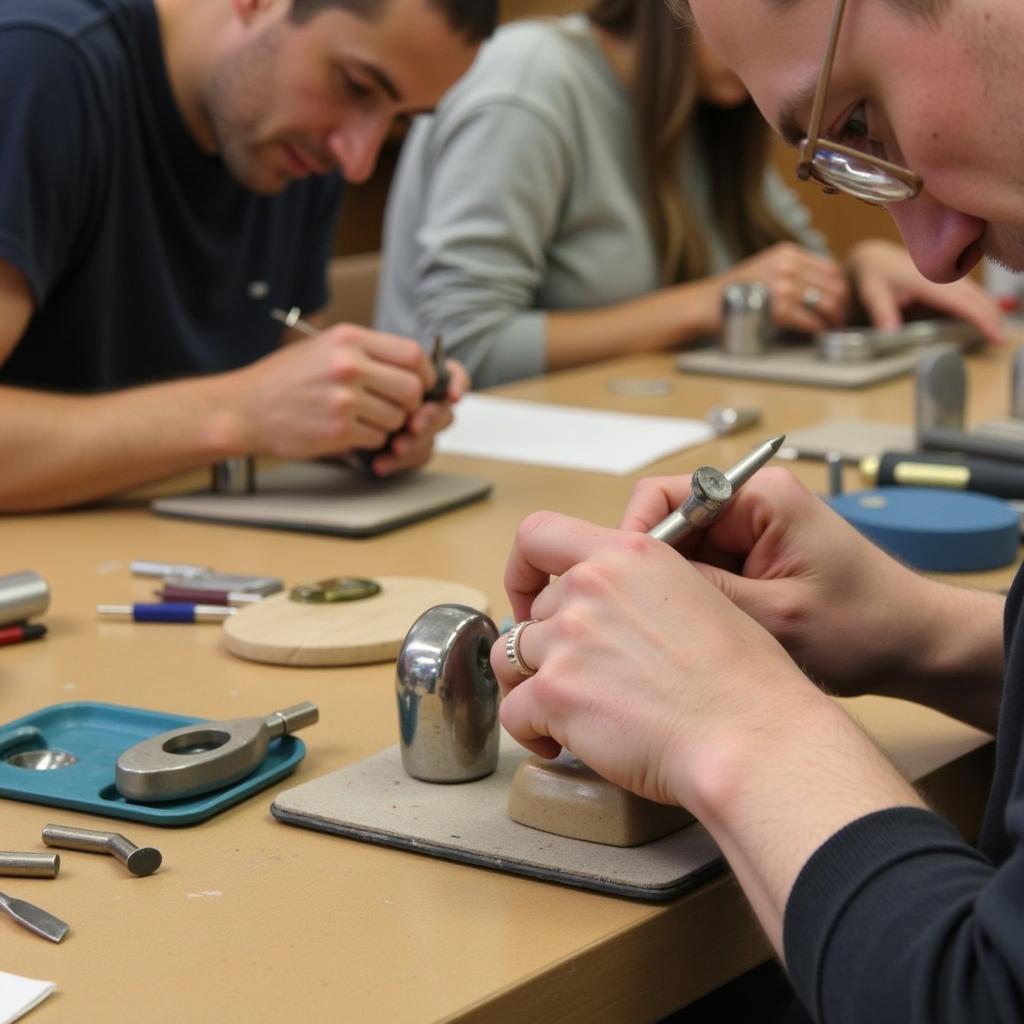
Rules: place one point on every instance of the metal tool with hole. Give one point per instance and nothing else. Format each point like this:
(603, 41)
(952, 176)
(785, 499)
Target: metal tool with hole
(204, 756)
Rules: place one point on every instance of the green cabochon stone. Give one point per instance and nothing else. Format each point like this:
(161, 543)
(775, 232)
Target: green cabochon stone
(938, 530)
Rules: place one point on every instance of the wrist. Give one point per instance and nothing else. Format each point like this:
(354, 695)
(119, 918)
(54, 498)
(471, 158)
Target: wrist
(776, 790)
(952, 656)
(717, 772)
(222, 419)
(693, 310)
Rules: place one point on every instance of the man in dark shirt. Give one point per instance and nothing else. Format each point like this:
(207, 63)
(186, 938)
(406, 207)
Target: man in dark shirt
(686, 679)
(168, 175)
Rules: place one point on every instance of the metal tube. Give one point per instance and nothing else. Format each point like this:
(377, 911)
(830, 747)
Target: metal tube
(22, 595)
(711, 491)
(835, 473)
(30, 865)
(234, 476)
(138, 860)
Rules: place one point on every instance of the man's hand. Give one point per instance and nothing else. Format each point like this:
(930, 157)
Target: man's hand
(851, 616)
(643, 667)
(414, 445)
(348, 388)
(887, 281)
(649, 674)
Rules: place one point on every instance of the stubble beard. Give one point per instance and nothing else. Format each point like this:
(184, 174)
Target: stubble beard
(237, 96)
(1006, 249)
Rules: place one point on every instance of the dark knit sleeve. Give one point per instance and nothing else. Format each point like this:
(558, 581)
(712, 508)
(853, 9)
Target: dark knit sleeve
(896, 919)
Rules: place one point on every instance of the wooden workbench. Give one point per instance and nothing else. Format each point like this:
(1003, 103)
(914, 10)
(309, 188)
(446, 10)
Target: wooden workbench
(252, 920)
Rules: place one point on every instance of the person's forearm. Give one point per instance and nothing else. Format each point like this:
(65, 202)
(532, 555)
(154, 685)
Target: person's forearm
(951, 657)
(65, 450)
(773, 794)
(655, 323)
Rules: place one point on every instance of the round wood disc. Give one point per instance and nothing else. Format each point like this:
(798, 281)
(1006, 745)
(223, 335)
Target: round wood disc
(281, 631)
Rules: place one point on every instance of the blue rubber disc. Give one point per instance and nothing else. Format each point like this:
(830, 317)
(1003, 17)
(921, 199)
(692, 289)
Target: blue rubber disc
(936, 530)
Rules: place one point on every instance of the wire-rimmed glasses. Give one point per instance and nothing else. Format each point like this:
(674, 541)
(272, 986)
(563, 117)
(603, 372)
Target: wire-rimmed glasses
(839, 168)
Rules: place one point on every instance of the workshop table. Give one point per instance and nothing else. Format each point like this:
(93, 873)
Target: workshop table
(250, 919)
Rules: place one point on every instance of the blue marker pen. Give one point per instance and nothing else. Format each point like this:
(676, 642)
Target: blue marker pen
(167, 611)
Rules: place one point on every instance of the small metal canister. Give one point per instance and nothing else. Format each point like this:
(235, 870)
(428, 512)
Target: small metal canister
(234, 476)
(22, 595)
(940, 390)
(746, 319)
(448, 696)
(1017, 385)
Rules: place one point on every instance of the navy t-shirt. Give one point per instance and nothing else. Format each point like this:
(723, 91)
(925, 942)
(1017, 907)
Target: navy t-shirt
(146, 259)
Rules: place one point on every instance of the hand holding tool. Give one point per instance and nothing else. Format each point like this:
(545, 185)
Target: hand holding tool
(364, 459)
(437, 393)
(712, 491)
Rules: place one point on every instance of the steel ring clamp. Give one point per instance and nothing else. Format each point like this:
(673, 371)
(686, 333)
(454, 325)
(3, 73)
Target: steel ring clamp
(512, 647)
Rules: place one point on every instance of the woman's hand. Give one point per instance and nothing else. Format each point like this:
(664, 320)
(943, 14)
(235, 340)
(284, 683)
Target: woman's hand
(887, 281)
(809, 292)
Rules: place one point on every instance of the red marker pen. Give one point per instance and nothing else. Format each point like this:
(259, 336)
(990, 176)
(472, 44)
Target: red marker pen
(19, 634)
(197, 595)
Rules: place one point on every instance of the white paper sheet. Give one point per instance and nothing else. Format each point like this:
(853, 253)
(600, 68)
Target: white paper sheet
(569, 438)
(19, 995)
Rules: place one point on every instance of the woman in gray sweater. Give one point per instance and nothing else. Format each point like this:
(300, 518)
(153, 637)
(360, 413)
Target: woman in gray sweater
(587, 191)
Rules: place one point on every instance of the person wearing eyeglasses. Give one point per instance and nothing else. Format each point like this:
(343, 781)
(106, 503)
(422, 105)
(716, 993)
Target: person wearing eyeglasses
(590, 188)
(691, 680)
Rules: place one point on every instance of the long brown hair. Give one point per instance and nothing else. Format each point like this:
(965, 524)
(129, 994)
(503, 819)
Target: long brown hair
(735, 143)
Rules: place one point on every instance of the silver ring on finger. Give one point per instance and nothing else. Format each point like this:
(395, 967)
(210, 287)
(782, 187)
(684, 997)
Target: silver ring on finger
(512, 651)
(811, 297)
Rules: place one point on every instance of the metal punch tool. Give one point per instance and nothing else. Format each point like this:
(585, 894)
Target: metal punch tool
(204, 756)
(712, 491)
(139, 860)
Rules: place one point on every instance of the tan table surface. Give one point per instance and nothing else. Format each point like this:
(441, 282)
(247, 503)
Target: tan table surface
(252, 919)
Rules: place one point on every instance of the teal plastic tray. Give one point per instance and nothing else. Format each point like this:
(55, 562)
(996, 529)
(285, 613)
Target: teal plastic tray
(97, 734)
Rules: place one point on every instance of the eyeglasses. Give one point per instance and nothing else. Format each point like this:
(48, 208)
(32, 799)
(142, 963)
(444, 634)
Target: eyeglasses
(839, 168)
